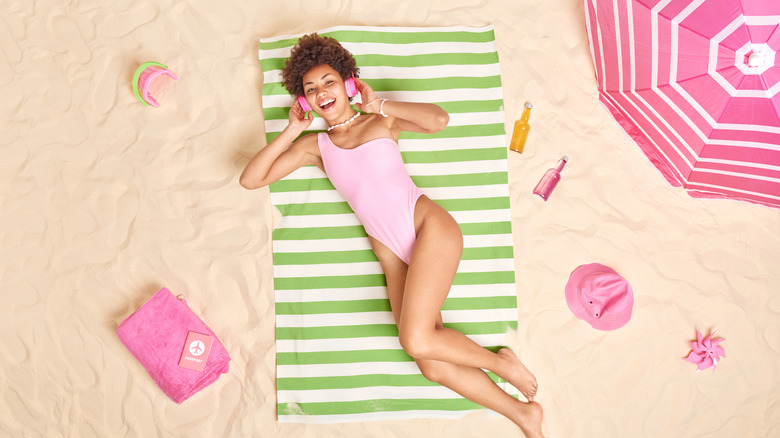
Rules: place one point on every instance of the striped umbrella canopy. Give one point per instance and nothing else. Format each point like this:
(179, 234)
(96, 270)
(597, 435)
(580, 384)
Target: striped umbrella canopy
(697, 85)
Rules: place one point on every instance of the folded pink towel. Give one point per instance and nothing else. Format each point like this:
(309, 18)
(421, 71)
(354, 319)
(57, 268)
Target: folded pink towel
(156, 333)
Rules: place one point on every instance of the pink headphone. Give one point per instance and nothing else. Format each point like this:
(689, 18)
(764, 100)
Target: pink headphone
(349, 85)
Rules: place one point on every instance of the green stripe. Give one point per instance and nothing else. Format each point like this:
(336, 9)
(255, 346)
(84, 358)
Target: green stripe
(487, 253)
(372, 280)
(325, 307)
(383, 305)
(386, 330)
(458, 132)
(301, 185)
(461, 107)
(317, 258)
(366, 406)
(468, 204)
(486, 228)
(453, 132)
(315, 233)
(461, 180)
(337, 332)
(473, 278)
(414, 84)
(343, 382)
(451, 156)
(326, 357)
(366, 255)
(314, 208)
(404, 61)
(391, 36)
(358, 381)
(337, 282)
(422, 181)
(472, 204)
(356, 231)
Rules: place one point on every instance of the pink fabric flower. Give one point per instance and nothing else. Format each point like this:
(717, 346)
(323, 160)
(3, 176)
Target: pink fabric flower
(706, 351)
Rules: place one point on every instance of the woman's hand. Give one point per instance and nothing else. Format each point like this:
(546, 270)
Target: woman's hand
(370, 103)
(299, 120)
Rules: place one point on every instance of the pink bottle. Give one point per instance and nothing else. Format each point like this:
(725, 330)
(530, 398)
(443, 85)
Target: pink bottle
(550, 179)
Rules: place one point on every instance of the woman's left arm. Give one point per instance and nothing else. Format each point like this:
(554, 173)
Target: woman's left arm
(409, 116)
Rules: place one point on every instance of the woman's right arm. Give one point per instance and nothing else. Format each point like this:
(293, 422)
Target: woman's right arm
(282, 155)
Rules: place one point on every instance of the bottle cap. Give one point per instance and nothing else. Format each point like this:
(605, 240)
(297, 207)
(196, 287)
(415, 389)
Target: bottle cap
(528, 105)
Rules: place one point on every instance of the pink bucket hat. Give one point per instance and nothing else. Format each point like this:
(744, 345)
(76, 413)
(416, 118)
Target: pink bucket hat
(599, 296)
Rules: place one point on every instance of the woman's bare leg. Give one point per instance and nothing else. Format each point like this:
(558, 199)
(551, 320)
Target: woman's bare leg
(435, 260)
(471, 383)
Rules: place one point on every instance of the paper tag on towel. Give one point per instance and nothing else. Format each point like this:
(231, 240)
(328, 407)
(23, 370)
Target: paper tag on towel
(196, 351)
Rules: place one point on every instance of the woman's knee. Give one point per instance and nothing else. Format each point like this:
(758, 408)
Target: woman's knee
(415, 343)
(435, 371)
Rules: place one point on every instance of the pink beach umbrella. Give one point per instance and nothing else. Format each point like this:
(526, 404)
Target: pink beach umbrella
(697, 85)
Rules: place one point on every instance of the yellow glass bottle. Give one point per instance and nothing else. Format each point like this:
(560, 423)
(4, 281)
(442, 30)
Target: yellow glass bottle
(520, 133)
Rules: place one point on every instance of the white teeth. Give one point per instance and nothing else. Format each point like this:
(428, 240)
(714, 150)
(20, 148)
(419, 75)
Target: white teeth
(323, 104)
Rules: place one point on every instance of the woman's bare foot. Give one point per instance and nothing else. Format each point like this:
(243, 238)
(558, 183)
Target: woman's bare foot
(529, 419)
(518, 375)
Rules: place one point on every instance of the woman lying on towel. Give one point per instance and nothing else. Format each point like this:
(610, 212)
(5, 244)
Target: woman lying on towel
(417, 242)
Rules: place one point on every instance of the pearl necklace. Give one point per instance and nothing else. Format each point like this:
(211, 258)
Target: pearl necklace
(344, 123)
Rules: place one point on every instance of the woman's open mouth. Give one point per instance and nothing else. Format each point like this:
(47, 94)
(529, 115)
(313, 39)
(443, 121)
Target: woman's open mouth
(328, 104)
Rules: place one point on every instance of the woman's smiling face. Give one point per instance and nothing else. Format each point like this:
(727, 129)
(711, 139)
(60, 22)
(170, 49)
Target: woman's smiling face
(324, 89)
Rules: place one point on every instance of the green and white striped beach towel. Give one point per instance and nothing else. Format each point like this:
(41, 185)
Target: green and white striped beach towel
(338, 356)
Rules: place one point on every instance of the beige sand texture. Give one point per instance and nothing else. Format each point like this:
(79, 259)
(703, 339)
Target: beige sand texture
(104, 200)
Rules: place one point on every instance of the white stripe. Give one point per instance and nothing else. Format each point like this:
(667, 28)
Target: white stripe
(456, 119)
(337, 344)
(732, 91)
(360, 344)
(346, 369)
(387, 29)
(719, 191)
(342, 294)
(346, 319)
(746, 127)
(394, 49)
(457, 167)
(327, 270)
(748, 176)
(342, 220)
(715, 41)
(601, 48)
(683, 179)
(679, 176)
(464, 192)
(320, 245)
(444, 144)
(427, 96)
(381, 416)
(654, 41)
(369, 268)
(742, 144)
(363, 394)
(618, 44)
(764, 166)
(423, 169)
(762, 20)
(409, 48)
(380, 292)
(320, 220)
(362, 243)
(414, 72)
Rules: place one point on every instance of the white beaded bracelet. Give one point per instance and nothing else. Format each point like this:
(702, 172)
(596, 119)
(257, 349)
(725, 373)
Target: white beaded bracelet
(381, 106)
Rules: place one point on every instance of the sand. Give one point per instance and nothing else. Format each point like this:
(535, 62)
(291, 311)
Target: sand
(105, 200)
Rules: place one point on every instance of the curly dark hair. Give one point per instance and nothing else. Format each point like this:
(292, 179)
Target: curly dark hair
(313, 50)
